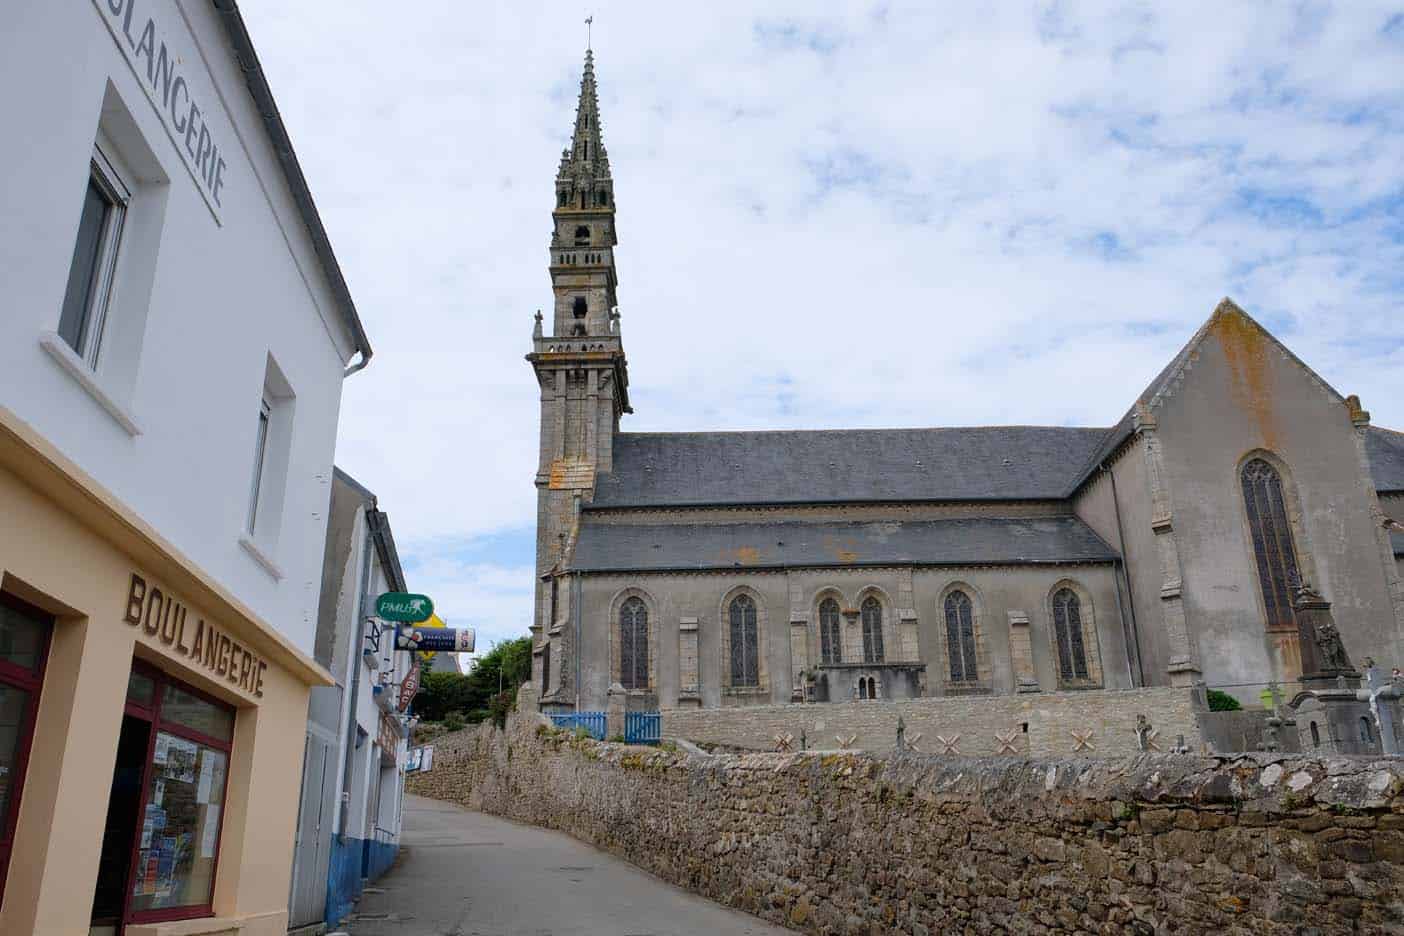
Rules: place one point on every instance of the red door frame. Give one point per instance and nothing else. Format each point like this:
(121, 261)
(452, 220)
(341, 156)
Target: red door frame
(152, 715)
(31, 681)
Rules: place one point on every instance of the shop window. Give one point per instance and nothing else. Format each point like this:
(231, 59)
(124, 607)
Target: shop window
(166, 806)
(141, 689)
(24, 641)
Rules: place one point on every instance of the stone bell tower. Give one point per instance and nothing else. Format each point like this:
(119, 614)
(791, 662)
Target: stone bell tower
(584, 379)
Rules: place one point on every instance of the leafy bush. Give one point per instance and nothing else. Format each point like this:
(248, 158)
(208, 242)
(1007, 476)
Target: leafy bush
(499, 671)
(1220, 701)
(453, 721)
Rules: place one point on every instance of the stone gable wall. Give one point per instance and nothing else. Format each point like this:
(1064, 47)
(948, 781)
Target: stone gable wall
(855, 844)
(978, 724)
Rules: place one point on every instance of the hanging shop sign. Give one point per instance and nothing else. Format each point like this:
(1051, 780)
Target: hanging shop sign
(389, 740)
(446, 639)
(434, 621)
(404, 607)
(410, 687)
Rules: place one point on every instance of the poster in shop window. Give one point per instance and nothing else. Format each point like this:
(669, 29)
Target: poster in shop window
(181, 755)
(202, 795)
(209, 836)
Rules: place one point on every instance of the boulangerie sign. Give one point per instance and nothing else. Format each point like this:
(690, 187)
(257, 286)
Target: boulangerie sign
(165, 72)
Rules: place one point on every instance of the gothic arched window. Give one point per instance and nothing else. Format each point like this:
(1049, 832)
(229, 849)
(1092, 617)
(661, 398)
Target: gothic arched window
(546, 667)
(633, 644)
(830, 637)
(582, 234)
(872, 630)
(745, 666)
(579, 307)
(1273, 548)
(960, 637)
(1067, 628)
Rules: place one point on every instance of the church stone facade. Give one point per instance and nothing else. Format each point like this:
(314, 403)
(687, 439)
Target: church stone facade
(739, 568)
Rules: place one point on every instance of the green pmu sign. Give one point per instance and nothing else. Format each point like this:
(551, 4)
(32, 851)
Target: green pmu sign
(404, 607)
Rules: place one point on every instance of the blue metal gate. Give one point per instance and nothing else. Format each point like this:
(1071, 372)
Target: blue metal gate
(593, 722)
(643, 727)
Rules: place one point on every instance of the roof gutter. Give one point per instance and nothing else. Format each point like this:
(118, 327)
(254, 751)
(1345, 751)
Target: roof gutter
(238, 34)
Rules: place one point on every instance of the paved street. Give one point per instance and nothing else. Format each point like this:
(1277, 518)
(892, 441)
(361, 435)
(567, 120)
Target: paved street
(463, 873)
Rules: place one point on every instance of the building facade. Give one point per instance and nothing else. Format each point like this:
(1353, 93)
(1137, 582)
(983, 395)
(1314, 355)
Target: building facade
(738, 568)
(176, 336)
(357, 730)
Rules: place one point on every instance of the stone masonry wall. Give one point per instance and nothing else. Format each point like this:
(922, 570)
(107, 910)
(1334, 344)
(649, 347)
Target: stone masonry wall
(848, 843)
(1044, 724)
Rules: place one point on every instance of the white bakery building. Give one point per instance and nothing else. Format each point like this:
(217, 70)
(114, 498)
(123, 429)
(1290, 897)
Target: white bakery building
(174, 338)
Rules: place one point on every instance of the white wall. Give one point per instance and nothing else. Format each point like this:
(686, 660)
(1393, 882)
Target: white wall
(223, 297)
(367, 713)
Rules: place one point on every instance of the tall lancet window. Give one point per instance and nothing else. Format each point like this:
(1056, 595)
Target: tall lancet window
(1273, 548)
(960, 637)
(1067, 629)
(633, 644)
(745, 666)
(830, 637)
(872, 630)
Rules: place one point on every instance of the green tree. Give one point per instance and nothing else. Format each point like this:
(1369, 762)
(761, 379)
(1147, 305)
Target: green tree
(487, 691)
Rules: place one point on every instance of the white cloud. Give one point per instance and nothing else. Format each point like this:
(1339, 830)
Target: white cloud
(897, 214)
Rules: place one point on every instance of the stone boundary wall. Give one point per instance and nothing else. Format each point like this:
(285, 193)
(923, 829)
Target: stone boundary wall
(850, 843)
(976, 722)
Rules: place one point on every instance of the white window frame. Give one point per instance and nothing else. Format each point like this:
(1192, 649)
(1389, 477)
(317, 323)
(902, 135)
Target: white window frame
(265, 419)
(110, 183)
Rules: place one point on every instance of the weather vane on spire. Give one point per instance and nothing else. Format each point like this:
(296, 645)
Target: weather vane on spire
(589, 22)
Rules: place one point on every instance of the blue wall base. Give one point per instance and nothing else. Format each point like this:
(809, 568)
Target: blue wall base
(354, 862)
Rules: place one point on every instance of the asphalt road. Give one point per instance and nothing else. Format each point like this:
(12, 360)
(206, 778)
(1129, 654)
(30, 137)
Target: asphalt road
(463, 873)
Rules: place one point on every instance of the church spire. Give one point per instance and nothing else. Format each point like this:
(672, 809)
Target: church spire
(585, 165)
(583, 239)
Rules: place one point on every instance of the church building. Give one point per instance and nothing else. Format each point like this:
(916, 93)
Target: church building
(733, 568)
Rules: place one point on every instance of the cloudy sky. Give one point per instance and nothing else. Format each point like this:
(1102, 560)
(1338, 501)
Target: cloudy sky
(894, 215)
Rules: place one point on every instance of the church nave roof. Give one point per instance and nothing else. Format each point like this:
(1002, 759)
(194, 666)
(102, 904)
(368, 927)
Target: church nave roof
(637, 547)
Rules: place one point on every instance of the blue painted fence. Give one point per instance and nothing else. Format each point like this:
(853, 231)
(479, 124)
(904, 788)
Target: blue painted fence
(593, 722)
(643, 727)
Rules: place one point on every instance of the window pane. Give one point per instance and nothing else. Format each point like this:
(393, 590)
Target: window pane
(14, 709)
(193, 712)
(82, 275)
(21, 637)
(260, 449)
(180, 826)
(141, 689)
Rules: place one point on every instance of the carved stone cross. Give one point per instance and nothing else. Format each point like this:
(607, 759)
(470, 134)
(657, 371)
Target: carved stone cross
(948, 745)
(1082, 740)
(1007, 742)
(845, 743)
(784, 742)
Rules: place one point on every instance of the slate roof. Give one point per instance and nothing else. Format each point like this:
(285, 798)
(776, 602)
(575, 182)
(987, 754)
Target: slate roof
(1386, 450)
(986, 463)
(630, 547)
(844, 466)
